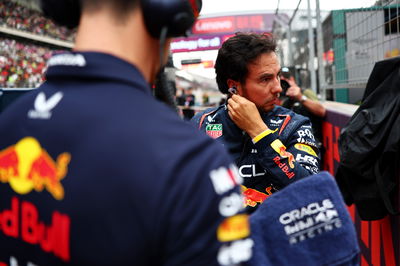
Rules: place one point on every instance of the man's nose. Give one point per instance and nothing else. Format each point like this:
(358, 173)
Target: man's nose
(277, 86)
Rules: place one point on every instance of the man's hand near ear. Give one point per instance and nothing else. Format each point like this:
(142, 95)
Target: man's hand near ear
(245, 115)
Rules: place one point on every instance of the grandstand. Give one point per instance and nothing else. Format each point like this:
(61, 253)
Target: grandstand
(24, 16)
(27, 40)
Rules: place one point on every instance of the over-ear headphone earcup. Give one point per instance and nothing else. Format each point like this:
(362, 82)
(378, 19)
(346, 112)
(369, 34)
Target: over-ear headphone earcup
(177, 15)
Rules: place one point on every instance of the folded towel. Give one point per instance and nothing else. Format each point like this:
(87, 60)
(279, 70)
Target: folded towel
(306, 223)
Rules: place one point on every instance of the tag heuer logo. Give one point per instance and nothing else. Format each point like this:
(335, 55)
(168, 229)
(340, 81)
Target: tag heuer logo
(214, 130)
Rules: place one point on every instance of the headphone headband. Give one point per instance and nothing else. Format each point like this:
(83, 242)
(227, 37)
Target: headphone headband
(178, 16)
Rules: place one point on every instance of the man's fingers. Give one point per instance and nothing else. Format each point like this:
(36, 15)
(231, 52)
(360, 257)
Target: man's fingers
(290, 91)
(240, 100)
(235, 96)
(231, 112)
(232, 103)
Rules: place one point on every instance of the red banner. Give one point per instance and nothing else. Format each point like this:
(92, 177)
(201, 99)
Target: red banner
(230, 24)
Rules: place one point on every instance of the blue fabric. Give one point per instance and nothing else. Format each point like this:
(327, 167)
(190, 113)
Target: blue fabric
(305, 223)
(265, 168)
(137, 188)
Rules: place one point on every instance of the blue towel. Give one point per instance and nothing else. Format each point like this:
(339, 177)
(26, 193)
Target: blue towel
(305, 223)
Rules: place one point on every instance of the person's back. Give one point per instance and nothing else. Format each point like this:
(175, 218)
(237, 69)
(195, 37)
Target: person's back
(95, 171)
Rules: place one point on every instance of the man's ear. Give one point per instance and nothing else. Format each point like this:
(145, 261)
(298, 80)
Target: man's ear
(233, 84)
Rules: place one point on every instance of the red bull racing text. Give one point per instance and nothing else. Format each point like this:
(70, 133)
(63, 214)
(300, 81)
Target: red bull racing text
(278, 146)
(26, 166)
(22, 221)
(283, 167)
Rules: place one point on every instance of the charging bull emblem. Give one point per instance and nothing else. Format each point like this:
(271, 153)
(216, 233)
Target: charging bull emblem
(27, 166)
(278, 146)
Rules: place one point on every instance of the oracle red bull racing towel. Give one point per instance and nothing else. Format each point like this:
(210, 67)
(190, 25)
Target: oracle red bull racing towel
(305, 223)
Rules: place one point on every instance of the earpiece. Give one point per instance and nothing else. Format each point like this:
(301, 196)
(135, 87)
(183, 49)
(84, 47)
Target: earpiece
(232, 90)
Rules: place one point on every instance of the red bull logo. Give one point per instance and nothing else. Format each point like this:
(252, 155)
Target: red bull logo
(252, 197)
(278, 146)
(27, 166)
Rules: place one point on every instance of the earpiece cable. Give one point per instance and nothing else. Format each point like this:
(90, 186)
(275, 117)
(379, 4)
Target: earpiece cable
(165, 89)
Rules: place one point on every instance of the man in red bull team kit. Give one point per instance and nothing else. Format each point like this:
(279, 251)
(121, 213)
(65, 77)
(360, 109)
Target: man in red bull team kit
(95, 171)
(272, 146)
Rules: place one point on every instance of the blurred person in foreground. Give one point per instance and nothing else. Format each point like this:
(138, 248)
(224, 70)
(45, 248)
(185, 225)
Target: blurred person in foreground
(271, 145)
(87, 180)
(304, 102)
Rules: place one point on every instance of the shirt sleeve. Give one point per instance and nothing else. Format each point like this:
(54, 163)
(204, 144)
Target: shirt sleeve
(204, 219)
(195, 120)
(291, 160)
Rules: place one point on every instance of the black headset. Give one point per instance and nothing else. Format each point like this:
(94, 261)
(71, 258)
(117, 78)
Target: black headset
(177, 16)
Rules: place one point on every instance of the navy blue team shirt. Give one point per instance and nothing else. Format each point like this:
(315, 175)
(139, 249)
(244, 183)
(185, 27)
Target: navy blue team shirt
(95, 171)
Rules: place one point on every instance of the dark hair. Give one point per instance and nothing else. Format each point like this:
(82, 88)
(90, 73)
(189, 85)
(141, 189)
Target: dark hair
(67, 12)
(237, 53)
(119, 7)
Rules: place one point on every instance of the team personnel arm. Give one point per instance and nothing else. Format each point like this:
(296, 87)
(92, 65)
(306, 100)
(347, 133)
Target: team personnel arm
(308, 100)
(289, 162)
(205, 220)
(284, 163)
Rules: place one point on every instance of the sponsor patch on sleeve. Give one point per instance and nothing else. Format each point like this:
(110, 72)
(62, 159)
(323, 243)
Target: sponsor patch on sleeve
(234, 228)
(231, 204)
(225, 179)
(236, 252)
(305, 148)
(214, 130)
(307, 159)
(278, 146)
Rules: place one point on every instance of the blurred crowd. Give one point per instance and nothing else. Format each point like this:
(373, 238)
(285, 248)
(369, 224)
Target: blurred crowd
(22, 18)
(22, 65)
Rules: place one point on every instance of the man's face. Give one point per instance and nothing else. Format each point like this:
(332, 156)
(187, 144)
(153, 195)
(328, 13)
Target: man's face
(262, 85)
